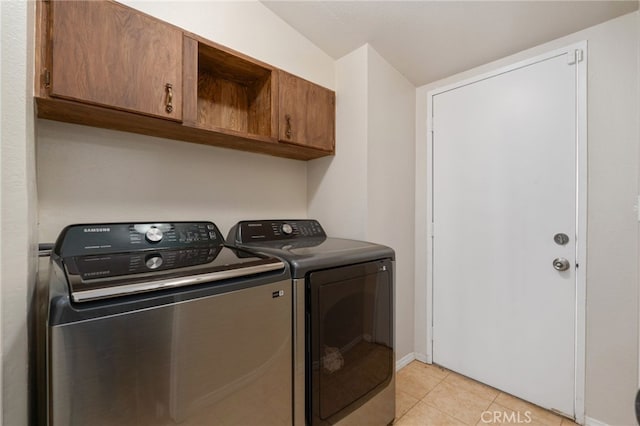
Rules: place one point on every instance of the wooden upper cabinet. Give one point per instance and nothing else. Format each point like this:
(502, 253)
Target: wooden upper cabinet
(306, 113)
(105, 53)
(101, 63)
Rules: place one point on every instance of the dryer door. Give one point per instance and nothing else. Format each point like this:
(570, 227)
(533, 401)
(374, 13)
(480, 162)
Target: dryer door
(351, 333)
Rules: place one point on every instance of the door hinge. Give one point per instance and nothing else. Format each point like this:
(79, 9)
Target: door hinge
(574, 56)
(47, 78)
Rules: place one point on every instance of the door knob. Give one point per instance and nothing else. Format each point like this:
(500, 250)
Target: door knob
(560, 264)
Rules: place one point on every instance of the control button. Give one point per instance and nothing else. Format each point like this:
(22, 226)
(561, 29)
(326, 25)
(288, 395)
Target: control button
(210, 226)
(212, 235)
(287, 229)
(154, 261)
(153, 235)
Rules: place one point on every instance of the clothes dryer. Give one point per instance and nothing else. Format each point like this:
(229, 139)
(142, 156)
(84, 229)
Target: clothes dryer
(344, 366)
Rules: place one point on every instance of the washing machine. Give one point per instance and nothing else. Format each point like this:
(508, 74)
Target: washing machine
(343, 304)
(158, 323)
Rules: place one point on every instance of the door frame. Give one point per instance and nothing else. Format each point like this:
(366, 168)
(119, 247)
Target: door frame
(581, 206)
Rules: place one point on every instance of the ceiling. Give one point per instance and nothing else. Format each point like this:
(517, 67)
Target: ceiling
(430, 40)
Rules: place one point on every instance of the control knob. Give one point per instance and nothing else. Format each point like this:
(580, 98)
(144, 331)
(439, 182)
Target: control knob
(153, 235)
(154, 261)
(287, 229)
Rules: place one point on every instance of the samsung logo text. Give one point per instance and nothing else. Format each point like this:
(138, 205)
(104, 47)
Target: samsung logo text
(97, 229)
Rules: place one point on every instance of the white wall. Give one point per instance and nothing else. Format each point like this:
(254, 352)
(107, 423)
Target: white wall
(337, 186)
(390, 203)
(17, 205)
(366, 191)
(90, 175)
(613, 235)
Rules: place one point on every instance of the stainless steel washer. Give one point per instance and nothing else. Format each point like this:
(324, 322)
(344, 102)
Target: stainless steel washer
(161, 324)
(343, 320)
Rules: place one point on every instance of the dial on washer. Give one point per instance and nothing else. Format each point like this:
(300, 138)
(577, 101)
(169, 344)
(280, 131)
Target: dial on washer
(153, 235)
(287, 229)
(154, 261)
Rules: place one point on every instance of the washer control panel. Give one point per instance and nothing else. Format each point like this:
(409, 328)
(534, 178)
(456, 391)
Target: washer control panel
(104, 266)
(81, 240)
(277, 230)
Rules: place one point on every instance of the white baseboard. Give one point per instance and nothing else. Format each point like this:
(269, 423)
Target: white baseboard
(588, 421)
(405, 360)
(423, 358)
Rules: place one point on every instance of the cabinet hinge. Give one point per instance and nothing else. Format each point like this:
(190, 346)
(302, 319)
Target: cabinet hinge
(47, 78)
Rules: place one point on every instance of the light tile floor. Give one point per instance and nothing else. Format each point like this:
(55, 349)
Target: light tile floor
(431, 395)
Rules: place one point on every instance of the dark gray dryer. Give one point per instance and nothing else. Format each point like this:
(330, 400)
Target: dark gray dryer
(161, 324)
(343, 320)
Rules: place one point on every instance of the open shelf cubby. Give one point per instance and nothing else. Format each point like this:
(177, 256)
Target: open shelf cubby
(233, 93)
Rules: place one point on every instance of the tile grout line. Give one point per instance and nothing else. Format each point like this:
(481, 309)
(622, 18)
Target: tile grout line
(419, 400)
(491, 401)
(409, 409)
(438, 409)
(438, 384)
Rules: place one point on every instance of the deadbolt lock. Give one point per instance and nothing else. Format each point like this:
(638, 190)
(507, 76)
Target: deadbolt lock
(561, 239)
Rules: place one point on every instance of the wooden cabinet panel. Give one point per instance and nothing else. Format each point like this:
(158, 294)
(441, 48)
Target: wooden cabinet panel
(234, 93)
(104, 64)
(306, 113)
(105, 53)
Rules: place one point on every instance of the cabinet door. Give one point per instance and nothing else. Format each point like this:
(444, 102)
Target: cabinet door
(306, 113)
(108, 54)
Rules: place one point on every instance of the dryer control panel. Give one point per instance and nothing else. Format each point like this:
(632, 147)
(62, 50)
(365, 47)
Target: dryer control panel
(81, 240)
(276, 230)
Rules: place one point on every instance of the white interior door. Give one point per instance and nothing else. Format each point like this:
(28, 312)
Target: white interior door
(504, 183)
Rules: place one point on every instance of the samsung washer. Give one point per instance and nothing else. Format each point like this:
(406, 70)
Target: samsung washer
(159, 323)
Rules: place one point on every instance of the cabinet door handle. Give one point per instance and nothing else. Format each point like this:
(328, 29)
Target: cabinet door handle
(169, 88)
(287, 131)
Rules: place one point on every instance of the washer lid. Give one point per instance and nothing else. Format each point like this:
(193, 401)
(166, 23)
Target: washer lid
(117, 274)
(304, 244)
(308, 255)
